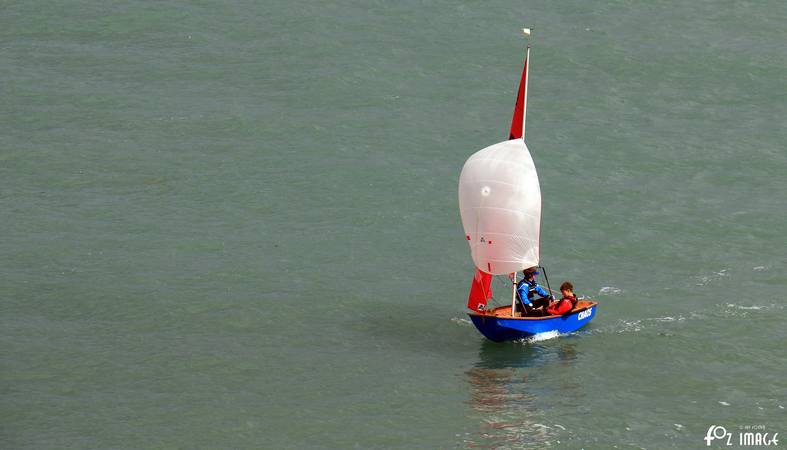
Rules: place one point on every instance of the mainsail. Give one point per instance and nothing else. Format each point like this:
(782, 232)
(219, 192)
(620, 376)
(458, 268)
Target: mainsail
(500, 206)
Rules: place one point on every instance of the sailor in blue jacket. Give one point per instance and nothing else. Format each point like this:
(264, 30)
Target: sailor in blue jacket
(527, 289)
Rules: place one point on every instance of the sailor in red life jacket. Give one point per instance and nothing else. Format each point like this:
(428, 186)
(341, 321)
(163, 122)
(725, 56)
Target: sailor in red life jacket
(565, 304)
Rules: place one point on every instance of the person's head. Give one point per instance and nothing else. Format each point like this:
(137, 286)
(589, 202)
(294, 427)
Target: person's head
(567, 289)
(530, 274)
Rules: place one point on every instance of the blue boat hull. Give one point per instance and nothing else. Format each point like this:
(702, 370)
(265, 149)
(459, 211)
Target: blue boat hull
(499, 326)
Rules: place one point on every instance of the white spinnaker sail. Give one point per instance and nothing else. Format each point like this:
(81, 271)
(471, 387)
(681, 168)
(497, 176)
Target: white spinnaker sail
(500, 205)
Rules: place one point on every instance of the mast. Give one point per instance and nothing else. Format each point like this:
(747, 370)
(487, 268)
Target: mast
(521, 105)
(501, 208)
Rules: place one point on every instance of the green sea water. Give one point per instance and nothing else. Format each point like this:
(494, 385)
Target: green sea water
(234, 225)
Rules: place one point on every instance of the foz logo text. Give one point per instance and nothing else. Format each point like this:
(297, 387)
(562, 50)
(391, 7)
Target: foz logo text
(745, 439)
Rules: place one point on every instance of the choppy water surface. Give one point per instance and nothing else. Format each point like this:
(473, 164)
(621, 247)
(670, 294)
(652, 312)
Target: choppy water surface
(235, 225)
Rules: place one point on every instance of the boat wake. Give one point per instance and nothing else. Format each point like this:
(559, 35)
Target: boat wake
(658, 323)
(540, 337)
(535, 338)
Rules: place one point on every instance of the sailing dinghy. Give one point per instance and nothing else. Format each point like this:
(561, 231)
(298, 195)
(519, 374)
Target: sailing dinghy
(500, 206)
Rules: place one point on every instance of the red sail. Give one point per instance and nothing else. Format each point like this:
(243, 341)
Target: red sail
(519, 109)
(480, 291)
